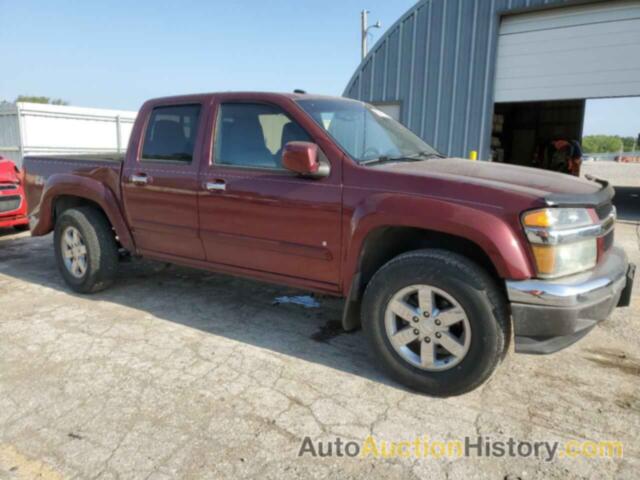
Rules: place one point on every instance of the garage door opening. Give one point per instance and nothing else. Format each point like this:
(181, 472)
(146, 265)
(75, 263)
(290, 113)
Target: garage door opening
(527, 133)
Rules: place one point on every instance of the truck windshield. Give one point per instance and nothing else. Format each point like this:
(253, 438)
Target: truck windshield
(367, 134)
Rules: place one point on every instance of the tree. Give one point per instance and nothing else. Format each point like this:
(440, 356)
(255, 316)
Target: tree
(35, 99)
(602, 144)
(629, 143)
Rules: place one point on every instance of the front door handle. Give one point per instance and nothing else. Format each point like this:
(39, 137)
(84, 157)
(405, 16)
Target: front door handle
(139, 179)
(218, 186)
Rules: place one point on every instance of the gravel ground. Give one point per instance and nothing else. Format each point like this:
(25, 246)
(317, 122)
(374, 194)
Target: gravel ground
(175, 373)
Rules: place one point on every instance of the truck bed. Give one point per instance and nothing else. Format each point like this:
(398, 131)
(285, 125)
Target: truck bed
(105, 167)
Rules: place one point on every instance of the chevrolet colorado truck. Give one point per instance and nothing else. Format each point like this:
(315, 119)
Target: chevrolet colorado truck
(440, 260)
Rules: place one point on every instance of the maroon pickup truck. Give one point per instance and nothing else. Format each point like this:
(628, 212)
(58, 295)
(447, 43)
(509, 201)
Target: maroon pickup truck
(439, 259)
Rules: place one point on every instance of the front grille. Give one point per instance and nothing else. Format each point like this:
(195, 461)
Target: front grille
(604, 210)
(8, 186)
(9, 203)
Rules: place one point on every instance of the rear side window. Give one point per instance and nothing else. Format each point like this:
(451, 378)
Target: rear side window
(254, 135)
(171, 134)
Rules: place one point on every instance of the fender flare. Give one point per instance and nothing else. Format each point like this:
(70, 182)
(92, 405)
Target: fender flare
(70, 185)
(483, 225)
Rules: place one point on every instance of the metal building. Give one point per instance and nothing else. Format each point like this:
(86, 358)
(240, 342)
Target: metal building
(501, 76)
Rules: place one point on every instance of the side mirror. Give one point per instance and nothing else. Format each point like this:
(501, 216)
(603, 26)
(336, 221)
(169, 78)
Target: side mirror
(303, 158)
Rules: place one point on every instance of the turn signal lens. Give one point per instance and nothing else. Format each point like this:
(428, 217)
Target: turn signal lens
(538, 218)
(545, 258)
(559, 218)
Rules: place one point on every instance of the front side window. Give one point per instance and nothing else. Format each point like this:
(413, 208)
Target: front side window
(254, 135)
(364, 132)
(171, 134)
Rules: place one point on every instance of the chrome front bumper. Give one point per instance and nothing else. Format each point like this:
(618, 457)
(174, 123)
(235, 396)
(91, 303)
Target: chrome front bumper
(549, 315)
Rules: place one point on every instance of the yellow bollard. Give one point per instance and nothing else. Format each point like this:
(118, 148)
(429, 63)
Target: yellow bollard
(473, 155)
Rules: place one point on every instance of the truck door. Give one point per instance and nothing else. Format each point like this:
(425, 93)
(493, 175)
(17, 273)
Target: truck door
(257, 216)
(160, 181)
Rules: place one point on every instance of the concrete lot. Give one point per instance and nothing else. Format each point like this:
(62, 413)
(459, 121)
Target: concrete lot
(619, 174)
(178, 373)
(626, 178)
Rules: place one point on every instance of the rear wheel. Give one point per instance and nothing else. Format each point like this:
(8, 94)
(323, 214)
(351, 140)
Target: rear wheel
(436, 321)
(21, 228)
(86, 249)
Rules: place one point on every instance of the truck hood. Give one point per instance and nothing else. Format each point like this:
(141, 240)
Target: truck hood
(533, 182)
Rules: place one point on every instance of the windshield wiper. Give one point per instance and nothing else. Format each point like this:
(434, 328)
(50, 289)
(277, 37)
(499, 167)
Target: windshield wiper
(387, 159)
(426, 154)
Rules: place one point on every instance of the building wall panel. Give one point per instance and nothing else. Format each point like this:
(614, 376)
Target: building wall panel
(432, 72)
(407, 59)
(391, 75)
(420, 60)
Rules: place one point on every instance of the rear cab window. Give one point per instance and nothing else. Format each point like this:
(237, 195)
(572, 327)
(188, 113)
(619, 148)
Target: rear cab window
(171, 134)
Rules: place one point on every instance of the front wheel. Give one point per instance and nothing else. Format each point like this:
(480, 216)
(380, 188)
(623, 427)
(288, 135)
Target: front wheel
(86, 249)
(436, 322)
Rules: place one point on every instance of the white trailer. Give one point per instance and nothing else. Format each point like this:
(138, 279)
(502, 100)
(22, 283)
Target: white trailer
(42, 129)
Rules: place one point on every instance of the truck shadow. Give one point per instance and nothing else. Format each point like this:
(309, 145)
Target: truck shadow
(238, 309)
(9, 232)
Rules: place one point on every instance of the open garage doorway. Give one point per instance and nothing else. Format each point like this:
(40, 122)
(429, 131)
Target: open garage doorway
(525, 133)
(606, 133)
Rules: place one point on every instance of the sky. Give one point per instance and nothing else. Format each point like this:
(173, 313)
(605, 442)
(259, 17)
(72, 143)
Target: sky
(617, 116)
(117, 54)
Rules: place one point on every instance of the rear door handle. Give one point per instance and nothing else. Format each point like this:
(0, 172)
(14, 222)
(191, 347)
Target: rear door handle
(217, 186)
(141, 179)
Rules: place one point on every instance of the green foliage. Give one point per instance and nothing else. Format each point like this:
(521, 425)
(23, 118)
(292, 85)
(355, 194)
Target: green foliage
(35, 99)
(628, 144)
(607, 144)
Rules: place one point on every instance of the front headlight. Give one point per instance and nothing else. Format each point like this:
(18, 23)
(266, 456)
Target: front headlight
(563, 240)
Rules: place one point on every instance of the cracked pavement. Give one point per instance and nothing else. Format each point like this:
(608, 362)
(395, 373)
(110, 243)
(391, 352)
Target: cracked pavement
(177, 373)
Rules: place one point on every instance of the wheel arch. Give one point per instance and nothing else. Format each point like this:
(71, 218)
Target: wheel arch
(387, 242)
(384, 225)
(68, 191)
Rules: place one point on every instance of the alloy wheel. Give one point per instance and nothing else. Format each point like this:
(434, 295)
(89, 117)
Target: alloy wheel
(427, 327)
(74, 252)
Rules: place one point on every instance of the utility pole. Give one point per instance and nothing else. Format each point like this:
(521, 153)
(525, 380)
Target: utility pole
(364, 29)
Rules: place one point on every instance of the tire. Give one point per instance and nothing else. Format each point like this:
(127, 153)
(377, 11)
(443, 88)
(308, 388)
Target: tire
(96, 239)
(450, 280)
(21, 228)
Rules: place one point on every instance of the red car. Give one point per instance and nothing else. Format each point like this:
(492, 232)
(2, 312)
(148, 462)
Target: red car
(13, 205)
